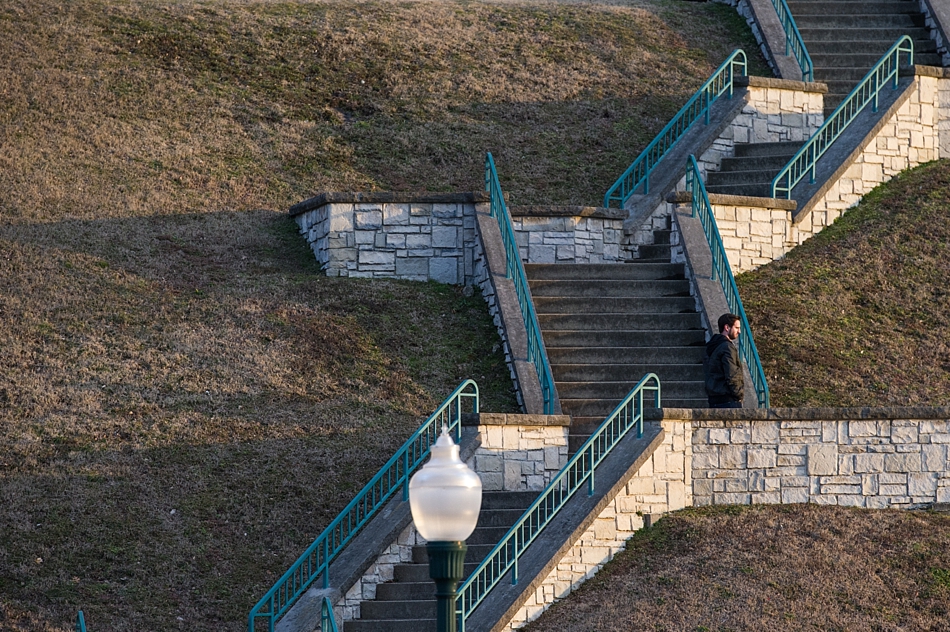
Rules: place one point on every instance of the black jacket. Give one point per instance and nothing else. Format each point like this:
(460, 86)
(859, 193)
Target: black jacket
(724, 380)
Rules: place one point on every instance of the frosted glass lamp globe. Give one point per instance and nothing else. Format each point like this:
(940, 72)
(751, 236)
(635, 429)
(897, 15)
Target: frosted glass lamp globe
(445, 495)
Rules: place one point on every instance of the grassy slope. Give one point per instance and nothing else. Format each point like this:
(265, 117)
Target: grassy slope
(184, 400)
(761, 568)
(857, 316)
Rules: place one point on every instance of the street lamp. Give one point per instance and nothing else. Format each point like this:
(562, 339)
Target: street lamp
(444, 497)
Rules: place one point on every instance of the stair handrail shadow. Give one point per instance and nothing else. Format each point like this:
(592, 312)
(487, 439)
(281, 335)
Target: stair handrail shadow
(793, 40)
(722, 80)
(578, 471)
(327, 620)
(514, 270)
(867, 91)
(699, 199)
(395, 474)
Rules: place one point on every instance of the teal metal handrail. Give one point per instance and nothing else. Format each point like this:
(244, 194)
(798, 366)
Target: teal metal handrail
(395, 474)
(722, 271)
(638, 173)
(515, 271)
(793, 40)
(80, 622)
(578, 472)
(867, 91)
(327, 620)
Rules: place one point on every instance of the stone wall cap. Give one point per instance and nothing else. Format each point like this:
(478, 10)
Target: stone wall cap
(509, 419)
(799, 414)
(784, 84)
(387, 197)
(567, 211)
(924, 71)
(682, 197)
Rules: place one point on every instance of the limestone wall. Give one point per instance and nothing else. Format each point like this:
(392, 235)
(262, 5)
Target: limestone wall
(877, 458)
(661, 485)
(520, 452)
(756, 231)
(569, 234)
(403, 236)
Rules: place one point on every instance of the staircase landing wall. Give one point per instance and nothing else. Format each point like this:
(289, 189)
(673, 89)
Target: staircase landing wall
(775, 110)
(856, 457)
(662, 484)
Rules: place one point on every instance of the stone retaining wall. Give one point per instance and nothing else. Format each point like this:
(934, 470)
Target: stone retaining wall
(569, 234)
(520, 452)
(866, 457)
(419, 237)
(662, 484)
(756, 231)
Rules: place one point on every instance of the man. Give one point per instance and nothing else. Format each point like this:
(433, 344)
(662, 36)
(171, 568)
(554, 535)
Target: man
(724, 381)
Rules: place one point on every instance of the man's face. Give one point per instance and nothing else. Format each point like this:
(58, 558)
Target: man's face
(731, 331)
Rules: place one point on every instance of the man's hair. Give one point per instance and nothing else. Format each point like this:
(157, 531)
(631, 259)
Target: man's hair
(727, 320)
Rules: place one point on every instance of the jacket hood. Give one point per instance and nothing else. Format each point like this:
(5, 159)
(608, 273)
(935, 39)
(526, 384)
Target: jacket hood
(714, 342)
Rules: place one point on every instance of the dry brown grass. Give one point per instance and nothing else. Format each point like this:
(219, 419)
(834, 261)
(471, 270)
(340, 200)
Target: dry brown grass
(792, 567)
(185, 401)
(857, 316)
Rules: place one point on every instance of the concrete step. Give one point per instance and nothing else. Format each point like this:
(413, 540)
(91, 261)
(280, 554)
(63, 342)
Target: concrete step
(657, 355)
(474, 555)
(870, 47)
(627, 322)
(767, 150)
(662, 237)
(583, 305)
(610, 288)
(398, 591)
(754, 190)
(729, 178)
(862, 61)
(850, 7)
(659, 338)
(897, 21)
(613, 392)
(507, 500)
(755, 163)
(613, 372)
(655, 252)
(401, 609)
(384, 625)
(632, 271)
(830, 33)
(601, 407)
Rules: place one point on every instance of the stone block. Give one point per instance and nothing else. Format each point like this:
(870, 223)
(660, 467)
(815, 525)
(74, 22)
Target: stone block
(446, 237)
(906, 462)
(761, 458)
(868, 463)
(922, 484)
(765, 432)
(732, 457)
(718, 436)
(444, 270)
(934, 458)
(374, 257)
(822, 459)
(905, 434)
(369, 220)
(415, 267)
(794, 495)
(396, 214)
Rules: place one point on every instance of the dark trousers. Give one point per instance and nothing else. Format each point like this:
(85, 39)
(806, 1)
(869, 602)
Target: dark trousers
(732, 404)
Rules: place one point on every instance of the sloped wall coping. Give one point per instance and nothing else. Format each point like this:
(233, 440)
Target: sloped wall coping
(387, 197)
(597, 212)
(684, 197)
(800, 414)
(784, 84)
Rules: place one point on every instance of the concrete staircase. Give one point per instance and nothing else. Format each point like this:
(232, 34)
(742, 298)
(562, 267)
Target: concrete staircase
(845, 38)
(407, 603)
(751, 170)
(606, 325)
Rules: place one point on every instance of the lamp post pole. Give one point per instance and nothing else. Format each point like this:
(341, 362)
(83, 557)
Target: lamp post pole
(445, 497)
